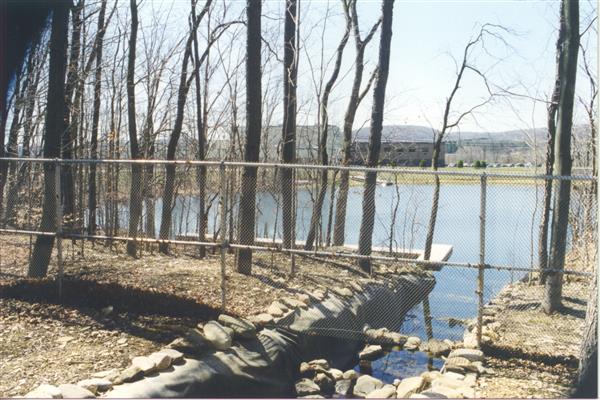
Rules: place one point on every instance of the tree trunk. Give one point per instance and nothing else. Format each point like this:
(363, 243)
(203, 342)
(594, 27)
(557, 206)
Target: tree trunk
(551, 123)
(72, 113)
(200, 171)
(339, 228)
(95, 121)
(290, 73)
(587, 380)
(562, 150)
(253, 130)
(184, 85)
(368, 205)
(315, 220)
(135, 191)
(55, 124)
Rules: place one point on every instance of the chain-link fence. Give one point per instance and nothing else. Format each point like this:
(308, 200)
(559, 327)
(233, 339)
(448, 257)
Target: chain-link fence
(438, 252)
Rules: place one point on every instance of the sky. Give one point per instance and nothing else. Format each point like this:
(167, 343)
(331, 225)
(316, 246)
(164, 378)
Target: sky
(428, 36)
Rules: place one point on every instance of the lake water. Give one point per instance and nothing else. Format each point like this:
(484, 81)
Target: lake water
(512, 217)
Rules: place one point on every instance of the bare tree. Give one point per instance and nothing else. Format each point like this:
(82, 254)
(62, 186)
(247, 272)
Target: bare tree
(324, 127)
(92, 201)
(368, 204)
(290, 79)
(184, 85)
(562, 162)
(55, 125)
(135, 193)
(447, 124)
(253, 131)
(356, 97)
(551, 124)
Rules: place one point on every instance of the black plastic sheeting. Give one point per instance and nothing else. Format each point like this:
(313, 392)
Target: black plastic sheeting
(268, 365)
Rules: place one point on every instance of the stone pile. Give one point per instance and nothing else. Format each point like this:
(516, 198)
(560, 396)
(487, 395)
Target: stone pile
(457, 379)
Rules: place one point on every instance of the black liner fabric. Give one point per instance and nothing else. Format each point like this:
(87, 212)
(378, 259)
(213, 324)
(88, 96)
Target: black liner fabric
(268, 365)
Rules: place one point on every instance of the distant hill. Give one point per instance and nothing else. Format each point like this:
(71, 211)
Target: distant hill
(393, 133)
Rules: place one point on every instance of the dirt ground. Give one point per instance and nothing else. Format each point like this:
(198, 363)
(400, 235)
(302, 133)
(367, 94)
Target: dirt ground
(154, 299)
(540, 362)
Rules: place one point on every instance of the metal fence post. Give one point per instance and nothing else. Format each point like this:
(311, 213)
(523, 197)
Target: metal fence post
(59, 217)
(293, 233)
(481, 256)
(223, 228)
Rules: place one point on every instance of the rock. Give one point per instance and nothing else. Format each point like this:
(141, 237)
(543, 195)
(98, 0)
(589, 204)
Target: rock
(306, 387)
(468, 392)
(409, 386)
(365, 384)
(397, 338)
(176, 356)
(162, 360)
(350, 374)
(429, 376)
(241, 327)
(469, 354)
(321, 362)
(110, 374)
(457, 364)
(470, 340)
(96, 385)
(281, 306)
(275, 311)
(319, 294)
(293, 303)
(476, 366)
(325, 382)
(145, 364)
(454, 375)
(70, 391)
(343, 387)
(471, 379)
(183, 346)
(45, 391)
(122, 341)
(306, 371)
(386, 392)
(197, 340)
(412, 343)
(131, 374)
(447, 382)
(312, 396)
(450, 343)
(371, 352)
(438, 348)
(336, 374)
(445, 391)
(261, 319)
(397, 382)
(356, 286)
(342, 291)
(428, 394)
(217, 335)
(304, 298)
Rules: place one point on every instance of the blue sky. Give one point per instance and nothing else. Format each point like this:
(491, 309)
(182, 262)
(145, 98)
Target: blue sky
(426, 35)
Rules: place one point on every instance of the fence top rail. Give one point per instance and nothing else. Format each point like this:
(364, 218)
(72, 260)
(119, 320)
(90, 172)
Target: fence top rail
(353, 168)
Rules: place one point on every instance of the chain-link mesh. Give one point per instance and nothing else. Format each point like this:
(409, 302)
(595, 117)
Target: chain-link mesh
(405, 250)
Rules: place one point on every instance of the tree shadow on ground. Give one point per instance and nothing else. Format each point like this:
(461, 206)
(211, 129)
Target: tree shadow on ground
(143, 313)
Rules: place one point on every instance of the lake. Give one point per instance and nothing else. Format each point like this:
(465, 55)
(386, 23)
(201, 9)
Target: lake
(512, 217)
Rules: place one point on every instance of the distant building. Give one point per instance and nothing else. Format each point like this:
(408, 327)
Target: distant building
(401, 145)
(400, 153)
